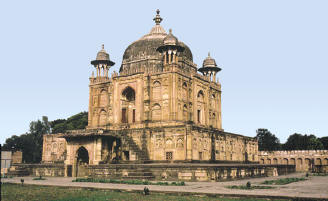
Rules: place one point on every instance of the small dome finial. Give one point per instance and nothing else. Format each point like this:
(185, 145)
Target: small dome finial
(103, 46)
(209, 54)
(170, 30)
(157, 18)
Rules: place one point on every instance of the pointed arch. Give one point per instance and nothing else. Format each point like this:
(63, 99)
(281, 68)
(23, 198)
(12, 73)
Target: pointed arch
(82, 155)
(185, 112)
(184, 93)
(103, 98)
(157, 90)
(128, 94)
(156, 112)
(200, 96)
(102, 117)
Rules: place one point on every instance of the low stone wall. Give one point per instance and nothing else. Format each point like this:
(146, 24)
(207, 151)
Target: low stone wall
(305, 160)
(187, 172)
(53, 170)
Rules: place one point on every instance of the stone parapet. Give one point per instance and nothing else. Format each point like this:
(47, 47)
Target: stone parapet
(305, 160)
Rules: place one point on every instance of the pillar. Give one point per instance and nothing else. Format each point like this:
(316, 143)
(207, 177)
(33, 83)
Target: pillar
(165, 57)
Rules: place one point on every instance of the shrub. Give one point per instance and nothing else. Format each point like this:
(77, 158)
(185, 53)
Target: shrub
(248, 184)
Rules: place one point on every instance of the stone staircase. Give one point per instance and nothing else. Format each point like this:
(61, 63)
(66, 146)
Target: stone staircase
(142, 156)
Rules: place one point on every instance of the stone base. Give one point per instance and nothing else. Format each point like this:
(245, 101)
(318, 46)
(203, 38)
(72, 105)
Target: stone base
(52, 170)
(163, 171)
(187, 172)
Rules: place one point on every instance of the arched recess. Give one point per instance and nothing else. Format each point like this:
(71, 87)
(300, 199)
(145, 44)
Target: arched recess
(214, 120)
(184, 91)
(292, 161)
(128, 94)
(299, 164)
(318, 161)
(307, 164)
(200, 107)
(128, 108)
(325, 161)
(82, 155)
(185, 112)
(262, 161)
(285, 161)
(102, 118)
(268, 161)
(275, 161)
(156, 112)
(169, 144)
(103, 99)
(213, 102)
(157, 90)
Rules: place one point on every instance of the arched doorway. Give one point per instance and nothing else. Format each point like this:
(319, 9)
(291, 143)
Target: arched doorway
(308, 164)
(128, 108)
(82, 162)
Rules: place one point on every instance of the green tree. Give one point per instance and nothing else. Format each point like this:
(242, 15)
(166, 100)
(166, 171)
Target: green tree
(267, 141)
(31, 143)
(78, 121)
(324, 141)
(303, 142)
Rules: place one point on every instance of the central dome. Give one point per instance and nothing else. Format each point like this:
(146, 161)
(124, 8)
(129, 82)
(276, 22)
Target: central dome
(145, 47)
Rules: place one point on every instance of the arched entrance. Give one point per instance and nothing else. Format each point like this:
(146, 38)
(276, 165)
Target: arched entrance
(82, 162)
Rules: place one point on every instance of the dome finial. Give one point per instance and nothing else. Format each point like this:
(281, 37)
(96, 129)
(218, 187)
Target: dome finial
(209, 55)
(170, 30)
(103, 46)
(157, 18)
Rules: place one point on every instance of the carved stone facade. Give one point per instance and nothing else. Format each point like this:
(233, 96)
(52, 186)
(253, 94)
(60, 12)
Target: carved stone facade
(54, 149)
(305, 160)
(158, 108)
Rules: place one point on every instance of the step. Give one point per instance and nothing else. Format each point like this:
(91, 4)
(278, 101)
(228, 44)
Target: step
(138, 177)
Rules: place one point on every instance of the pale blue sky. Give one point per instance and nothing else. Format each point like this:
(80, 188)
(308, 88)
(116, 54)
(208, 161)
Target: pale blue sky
(273, 56)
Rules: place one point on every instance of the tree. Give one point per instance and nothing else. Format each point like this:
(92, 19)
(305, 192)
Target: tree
(324, 141)
(31, 143)
(303, 142)
(267, 141)
(78, 121)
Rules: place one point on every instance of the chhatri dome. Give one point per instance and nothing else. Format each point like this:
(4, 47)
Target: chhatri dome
(146, 46)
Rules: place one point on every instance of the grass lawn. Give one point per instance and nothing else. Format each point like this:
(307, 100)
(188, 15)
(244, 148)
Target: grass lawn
(284, 181)
(17, 192)
(243, 187)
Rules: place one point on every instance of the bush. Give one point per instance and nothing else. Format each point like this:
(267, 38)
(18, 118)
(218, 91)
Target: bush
(248, 184)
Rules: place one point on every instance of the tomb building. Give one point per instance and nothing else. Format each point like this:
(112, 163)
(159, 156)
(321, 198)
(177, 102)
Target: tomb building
(159, 107)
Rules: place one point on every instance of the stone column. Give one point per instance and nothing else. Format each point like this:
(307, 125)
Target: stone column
(97, 151)
(165, 57)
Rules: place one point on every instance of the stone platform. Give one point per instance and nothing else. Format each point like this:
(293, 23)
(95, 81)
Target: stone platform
(187, 171)
(160, 171)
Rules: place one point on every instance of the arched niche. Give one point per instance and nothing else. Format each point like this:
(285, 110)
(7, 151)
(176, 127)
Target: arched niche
(184, 93)
(156, 112)
(128, 108)
(102, 118)
(128, 94)
(103, 98)
(157, 90)
(82, 155)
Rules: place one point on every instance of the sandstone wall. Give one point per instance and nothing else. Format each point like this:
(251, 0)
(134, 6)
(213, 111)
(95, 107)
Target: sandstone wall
(305, 160)
(54, 149)
(187, 172)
